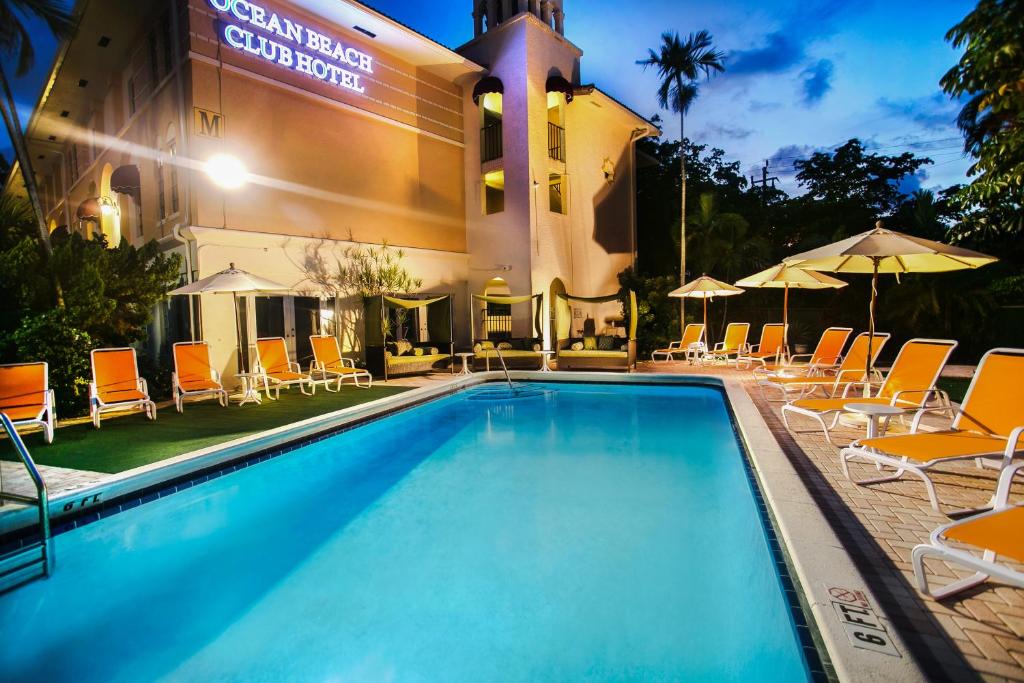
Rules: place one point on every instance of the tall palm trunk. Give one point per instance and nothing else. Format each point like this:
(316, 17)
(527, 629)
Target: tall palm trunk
(682, 219)
(10, 114)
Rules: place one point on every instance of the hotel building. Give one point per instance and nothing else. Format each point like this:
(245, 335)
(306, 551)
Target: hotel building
(492, 166)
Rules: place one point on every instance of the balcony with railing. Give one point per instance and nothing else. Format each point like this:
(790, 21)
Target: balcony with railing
(490, 142)
(556, 142)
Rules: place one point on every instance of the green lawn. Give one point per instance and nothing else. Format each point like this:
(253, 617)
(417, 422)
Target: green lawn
(132, 440)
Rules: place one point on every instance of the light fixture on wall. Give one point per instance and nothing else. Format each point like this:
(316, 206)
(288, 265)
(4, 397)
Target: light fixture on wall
(226, 171)
(108, 207)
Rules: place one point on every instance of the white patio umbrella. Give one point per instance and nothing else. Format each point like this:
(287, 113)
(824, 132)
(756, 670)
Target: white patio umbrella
(232, 281)
(886, 251)
(785, 276)
(704, 288)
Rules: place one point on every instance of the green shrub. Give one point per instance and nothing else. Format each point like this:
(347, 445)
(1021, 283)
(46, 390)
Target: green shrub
(51, 337)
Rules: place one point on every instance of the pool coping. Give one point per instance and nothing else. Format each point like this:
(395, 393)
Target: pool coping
(815, 555)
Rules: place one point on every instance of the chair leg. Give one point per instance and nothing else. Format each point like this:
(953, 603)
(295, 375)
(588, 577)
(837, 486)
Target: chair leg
(920, 573)
(95, 410)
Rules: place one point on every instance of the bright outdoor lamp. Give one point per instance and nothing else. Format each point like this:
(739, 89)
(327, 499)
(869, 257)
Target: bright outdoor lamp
(226, 170)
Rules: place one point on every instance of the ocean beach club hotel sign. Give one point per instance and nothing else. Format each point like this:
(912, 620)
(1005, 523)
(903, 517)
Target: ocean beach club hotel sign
(251, 28)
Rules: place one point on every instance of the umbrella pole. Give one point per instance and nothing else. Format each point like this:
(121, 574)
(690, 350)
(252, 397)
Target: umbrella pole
(706, 341)
(785, 319)
(238, 332)
(871, 328)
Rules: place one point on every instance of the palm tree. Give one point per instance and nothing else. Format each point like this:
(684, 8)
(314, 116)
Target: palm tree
(723, 244)
(16, 41)
(680, 65)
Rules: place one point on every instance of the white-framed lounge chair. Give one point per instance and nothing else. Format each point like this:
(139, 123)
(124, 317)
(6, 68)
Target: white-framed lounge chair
(989, 424)
(772, 347)
(910, 385)
(277, 370)
(116, 384)
(691, 345)
(734, 344)
(26, 397)
(852, 369)
(997, 533)
(827, 355)
(328, 362)
(194, 376)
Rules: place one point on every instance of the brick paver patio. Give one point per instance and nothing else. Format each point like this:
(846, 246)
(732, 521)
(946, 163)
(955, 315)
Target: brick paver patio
(976, 635)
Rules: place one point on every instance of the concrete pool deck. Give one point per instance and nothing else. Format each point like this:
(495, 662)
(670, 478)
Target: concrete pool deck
(840, 537)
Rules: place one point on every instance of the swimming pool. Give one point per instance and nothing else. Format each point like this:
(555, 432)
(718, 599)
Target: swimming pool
(602, 532)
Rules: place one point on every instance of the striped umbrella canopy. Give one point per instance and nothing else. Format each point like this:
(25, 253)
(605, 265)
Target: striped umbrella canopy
(886, 251)
(705, 288)
(785, 276)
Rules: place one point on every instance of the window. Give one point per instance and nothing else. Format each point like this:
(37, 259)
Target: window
(172, 167)
(490, 127)
(166, 36)
(494, 192)
(557, 187)
(160, 203)
(132, 105)
(556, 126)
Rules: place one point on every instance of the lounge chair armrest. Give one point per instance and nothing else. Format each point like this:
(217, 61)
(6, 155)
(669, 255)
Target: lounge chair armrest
(1002, 497)
(143, 386)
(753, 347)
(51, 402)
(215, 375)
(294, 367)
(349, 362)
(675, 345)
(718, 346)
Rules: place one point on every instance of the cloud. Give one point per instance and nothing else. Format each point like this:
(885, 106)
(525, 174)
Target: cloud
(934, 112)
(909, 184)
(757, 106)
(781, 162)
(817, 80)
(725, 131)
(781, 52)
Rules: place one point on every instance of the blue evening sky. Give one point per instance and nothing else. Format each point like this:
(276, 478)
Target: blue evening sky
(801, 75)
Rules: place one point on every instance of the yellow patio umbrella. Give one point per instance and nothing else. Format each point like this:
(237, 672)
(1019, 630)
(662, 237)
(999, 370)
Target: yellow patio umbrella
(785, 277)
(704, 288)
(232, 281)
(886, 251)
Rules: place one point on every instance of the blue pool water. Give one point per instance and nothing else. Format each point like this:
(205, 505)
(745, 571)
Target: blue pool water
(600, 532)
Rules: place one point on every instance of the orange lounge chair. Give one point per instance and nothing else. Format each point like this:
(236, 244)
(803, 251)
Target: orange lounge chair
(999, 532)
(771, 347)
(26, 397)
(852, 369)
(276, 369)
(734, 344)
(689, 346)
(116, 384)
(194, 376)
(826, 356)
(328, 361)
(989, 424)
(910, 385)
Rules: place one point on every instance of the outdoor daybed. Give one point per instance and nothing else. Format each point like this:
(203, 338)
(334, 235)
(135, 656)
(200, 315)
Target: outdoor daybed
(597, 352)
(517, 352)
(388, 317)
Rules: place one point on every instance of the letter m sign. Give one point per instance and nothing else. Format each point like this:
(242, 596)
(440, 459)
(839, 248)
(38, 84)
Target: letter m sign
(208, 124)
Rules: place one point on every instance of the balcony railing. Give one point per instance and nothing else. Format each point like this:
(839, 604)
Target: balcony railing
(490, 142)
(556, 141)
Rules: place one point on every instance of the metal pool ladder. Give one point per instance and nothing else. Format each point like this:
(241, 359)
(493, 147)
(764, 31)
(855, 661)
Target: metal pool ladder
(34, 559)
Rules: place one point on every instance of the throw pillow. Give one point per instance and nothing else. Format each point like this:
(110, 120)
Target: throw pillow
(624, 348)
(605, 343)
(505, 346)
(404, 347)
(417, 351)
(536, 347)
(590, 343)
(434, 351)
(577, 346)
(477, 348)
(487, 345)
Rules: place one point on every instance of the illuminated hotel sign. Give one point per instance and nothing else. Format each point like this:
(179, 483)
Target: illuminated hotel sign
(300, 48)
